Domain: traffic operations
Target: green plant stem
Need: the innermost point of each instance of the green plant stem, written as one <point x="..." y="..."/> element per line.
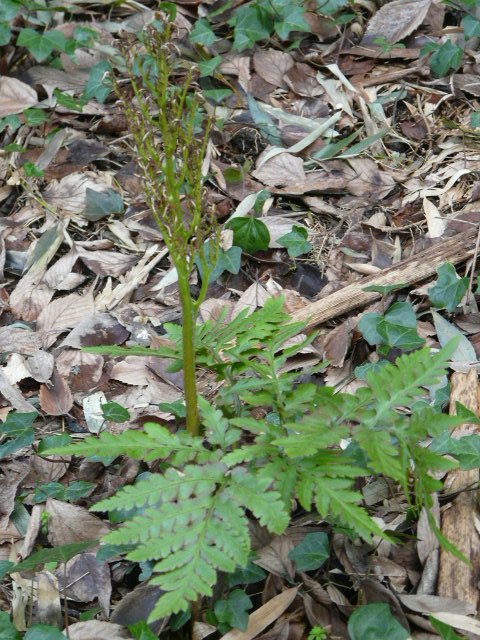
<point x="188" y="337"/>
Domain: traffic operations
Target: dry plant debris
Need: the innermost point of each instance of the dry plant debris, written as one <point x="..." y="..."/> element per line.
<point x="351" y="130"/>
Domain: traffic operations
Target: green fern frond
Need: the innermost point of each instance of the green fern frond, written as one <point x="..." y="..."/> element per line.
<point x="172" y="485"/>
<point x="152" y="443"/>
<point x="192" y="538"/>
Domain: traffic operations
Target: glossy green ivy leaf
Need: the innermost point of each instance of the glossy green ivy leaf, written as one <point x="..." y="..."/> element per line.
<point x="475" y="119"/>
<point x="43" y="632"/>
<point x="449" y="288"/>
<point x="292" y="18"/>
<point x="100" y="204"/>
<point x="41" y="45"/>
<point x="207" y="67"/>
<point x="251" y="23"/>
<point x="249" y="233"/>
<point x="471" y="26"/>
<point x="84" y="36"/>
<point x="114" y="412"/>
<point x="69" y="102"/>
<point x="17" y="428"/>
<point x="397" y="328"/>
<point x="202" y="33"/>
<point x="229" y="260"/>
<point x="246" y="575"/>
<point x="296" y="241"/>
<point x="444" y="58"/>
<point x="5" y="33"/>
<point x="177" y="407"/>
<point x="35" y="117"/>
<point x="465" y="449"/>
<point x="141" y="631"/>
<point x="7" y="628"/>
<point x="375" y="622"/>
<point x="9" y="10"/>
<point x="312" y="551"/>
<point x="234" y="610"/>
<point x="98" y="85"/>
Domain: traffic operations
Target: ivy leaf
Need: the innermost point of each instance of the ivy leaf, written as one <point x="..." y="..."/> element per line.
<point x="312" y="551"/>
<point x="5" y="33"/>
<point x="449" y="288"/>
<point x="69" y="102"/>
<point x="7" y="628"/>
<point x="293" y="18"/>
<point x="375" y="622"/>
<point x="41" y="45"/>
<point x="207" y="67"/>
<point x="234" y="610"/>
<point x="17" y="427"/>
<point x="98" y="85"/>
<point x="141" y="631"/>
<point x="246" y="575"/>
<point x="251" y="23"/>
<point x="471" y="26"/>
<point x="99" y="204"/>
<point x="475" y="119"/>
<point x="114" y="412"/>
<point x="229" y="260"/>
<point x="249" y="233"/>
<point x="62" y="553"/>
<point x="202" y="33"/>
<point x="397" y="328"/>
<point x="9" y="10"/>
<point x="43" y="632"/>
<point x="296" y="241"/>
<point x="446" y="57"/>
<point x="466" y="449"/>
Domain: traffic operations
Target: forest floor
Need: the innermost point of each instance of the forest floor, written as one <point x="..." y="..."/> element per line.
<point x="351" y="129"/>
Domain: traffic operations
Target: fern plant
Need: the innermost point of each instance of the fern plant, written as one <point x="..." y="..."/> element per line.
<point x="192" y="519"/>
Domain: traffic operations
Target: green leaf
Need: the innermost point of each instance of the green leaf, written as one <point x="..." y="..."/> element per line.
<point x="35" y="117"/>
<point x="177" y="407"/>
<point x="233" y="611"/>
<point x="475" y="119"/>
<point x="312" y="551"/>
<point x="114" y="412"/>
<point x="14" y="148"/>
<point x="32" y="171"/>
<point x="251" y="23"/>
<point x="447" y="57"/>
<point x="5" y="566"/>
<point x="58" y="554"/>
<point x="397" y="328"/>
<point x="41" y="45"/>
<point x="9" y="9"/>
<point x="261" y="198"/>
<point x="250" y="574"/>
<point x="249" y="233"/>
<point x="58" y="440"/>
<point x="330" y="7"/>
<point x="141" y="631"/>
<point x="202" y="33"/>
<point x="293" y="19"/>
<point x="385" y="289"/>
<point x="98" y="85"/>
<point x="375" y="622"/>
<point x="43" y="632"/>
<point x="296" y="241"/>
<point x="207" y="67"/>
<point x="12" y="121"/>
<point x="465" y="449"/>
<point x="99" y="204"/>
<point x="68" y="101"/>
<point x="7" y="628"/>
<point x="5" y="33"/>
<point x="84" y="36"/>
<point x="17" y="427"/>
<point x="229" y="260"/>
<point x="449" y="288"/>
<point x="471" y="26"/>
<point x="445" y="630"/>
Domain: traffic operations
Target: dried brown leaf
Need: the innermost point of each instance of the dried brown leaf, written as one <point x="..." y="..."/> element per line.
<point x="396" y="20"/>
<point x="70" y="523"/>
<point x="15" y="96"/>
<point x="55" y="398"/>
<point x="272" y="65"/>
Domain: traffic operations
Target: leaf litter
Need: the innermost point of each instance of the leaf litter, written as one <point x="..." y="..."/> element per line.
<point x="368" y="151"/>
